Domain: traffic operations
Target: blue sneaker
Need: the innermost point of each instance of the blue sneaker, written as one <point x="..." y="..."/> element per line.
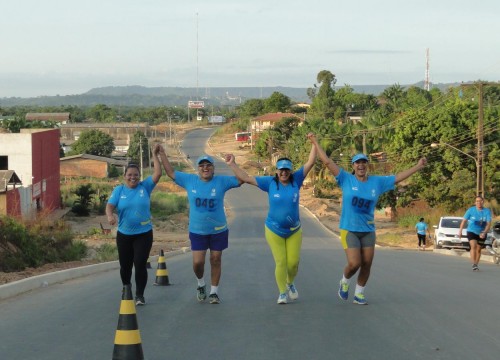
<point x="360" y="299"/>
<point x="282" y="299"/>
<point x="343" y="290"/>
<point x="293" y="294"/>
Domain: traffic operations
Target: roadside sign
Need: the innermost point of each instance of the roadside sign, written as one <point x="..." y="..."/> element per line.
<point x="196" y="104"/>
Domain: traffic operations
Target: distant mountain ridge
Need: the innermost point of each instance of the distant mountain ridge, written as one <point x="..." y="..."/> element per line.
<point x="137" y="95"/>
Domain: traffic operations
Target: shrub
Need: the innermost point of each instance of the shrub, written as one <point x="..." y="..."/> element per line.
<point x="33" y="244"/>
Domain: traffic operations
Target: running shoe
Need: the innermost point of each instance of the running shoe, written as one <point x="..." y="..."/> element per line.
<point x="343" y="290"/>
<point x="293" y="294"/>
<point x="214" y="299"/>
<point x="139" y="301"/>
<point x="490" y="250"/>
<point x="201" y="293"/>
<point x="360" y="299"/>
<point x="282" y="299"/>
<point x="475" y="267"/>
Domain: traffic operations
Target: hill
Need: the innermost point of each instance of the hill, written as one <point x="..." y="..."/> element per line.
<point x="177" y="96"/>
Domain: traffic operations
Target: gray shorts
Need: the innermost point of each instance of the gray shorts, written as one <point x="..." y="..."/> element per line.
<point x="357" y="240"/>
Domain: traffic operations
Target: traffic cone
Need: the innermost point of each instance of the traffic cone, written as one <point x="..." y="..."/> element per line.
<point x="148" y="264"/>
<point x="127" y="339"/>
<point x="162" y="271"/>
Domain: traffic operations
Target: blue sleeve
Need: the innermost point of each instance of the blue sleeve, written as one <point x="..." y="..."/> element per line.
<point x="115" y="195"/>
<point x="149" y="184"/>
<point x="263" y="182"/>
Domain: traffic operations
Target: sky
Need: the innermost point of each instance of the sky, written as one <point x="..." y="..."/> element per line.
<point x="66" y="47"/>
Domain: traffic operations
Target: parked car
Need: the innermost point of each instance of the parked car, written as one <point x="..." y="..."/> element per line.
<point x="446" y="234"/>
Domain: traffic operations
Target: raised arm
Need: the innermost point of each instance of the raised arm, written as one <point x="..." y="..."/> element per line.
<point x="156" y="162"/>
<point x="242" y="176"/>
<point x="407" y="173"/>
<point x="310" y="161"/>
<point x="329" y="163"/>
<point x="166" y="164"/>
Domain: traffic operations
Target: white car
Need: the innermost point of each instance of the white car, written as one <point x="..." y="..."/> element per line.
<point x="446" y="234"/>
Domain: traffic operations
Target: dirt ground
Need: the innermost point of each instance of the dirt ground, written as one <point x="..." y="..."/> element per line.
<point x="171" y="235"/>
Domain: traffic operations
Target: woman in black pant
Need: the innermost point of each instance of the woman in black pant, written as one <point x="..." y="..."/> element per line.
<point x="134" y="237"/>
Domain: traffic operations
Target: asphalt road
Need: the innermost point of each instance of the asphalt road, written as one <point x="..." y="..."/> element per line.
<point x="421" y="305"/>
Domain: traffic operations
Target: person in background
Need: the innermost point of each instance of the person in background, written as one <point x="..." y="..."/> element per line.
<point x="283" y="229"/>
<point x="478" y="219"/>
<point x="360" y="193"/>
<point x="422" y="232"/>
<point x="134" y="237"/>
<point x="207" y="219"/>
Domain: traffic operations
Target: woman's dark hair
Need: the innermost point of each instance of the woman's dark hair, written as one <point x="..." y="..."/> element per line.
<point x="276" y="178"/>
<point x="131" y="165"/>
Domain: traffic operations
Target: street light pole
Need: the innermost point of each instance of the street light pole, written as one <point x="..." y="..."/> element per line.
<point x="479" y="178"/>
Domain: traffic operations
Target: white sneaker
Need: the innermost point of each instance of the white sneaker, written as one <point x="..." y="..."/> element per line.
<point x="282" y="299"/>
<point x="293" y="294"/>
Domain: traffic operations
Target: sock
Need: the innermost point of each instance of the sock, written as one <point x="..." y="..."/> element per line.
<point x="201" y="282"/>
<point x="214" y="289"/>
<point x="359" y="289"/>
<point x="345" y="280"/>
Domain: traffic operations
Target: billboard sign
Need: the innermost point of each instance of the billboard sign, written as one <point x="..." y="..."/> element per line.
<point x="196" y="104"/>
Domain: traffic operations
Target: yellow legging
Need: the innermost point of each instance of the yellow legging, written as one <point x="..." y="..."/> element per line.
<point x="286" y="254"/>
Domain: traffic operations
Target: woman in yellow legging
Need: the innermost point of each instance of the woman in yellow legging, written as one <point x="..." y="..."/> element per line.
<point x="282" y="229"/>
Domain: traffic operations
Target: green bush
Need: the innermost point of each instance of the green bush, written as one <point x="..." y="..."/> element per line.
<point x="34" y="244"/>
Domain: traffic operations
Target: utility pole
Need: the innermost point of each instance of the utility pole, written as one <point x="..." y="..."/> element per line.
<point x="480" y="145"/>
<point x="140" y="154"/>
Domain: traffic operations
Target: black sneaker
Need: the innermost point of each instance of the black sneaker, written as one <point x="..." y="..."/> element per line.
<point x="475" y="267"/>
<point x="139" y="301"/>
<point x="214" y="299"/>
<point x="201" y="293"/>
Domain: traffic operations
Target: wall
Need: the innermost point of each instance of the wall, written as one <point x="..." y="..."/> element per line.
<point x="84" y="167"/>
<point x="46" y="169"/>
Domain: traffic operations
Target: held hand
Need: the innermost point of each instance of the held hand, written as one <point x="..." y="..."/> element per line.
<point x="229" y="158"/>
<point x="156" y="149"/>
<point x="311" y="137"/>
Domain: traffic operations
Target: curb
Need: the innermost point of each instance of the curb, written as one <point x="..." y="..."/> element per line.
<point x="44" y="280"/>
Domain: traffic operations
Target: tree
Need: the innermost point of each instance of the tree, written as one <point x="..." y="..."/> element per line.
<point x="323" y="104"/>
<point x="138" y="142"/>
<point x="93" y="142"/>
<point x="252" y="107"/>
<point x="277" y="102"/>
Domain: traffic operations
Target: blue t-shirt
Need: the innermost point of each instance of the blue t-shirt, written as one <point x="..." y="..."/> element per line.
<point x="421" y="227"/>
<point x="477" y="219"/>
<point x="133" y="207"/>
<point x="206" y="201"/>
<point x="359" y="199"/>
<point x="283" y="216"/>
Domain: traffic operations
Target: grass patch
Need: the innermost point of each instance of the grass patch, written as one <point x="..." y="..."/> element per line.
<point x="165" y="204"/>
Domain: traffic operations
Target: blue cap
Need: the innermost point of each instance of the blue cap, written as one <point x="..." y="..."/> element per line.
<point x="204" y="158"/>
<point x="284" y="164"/>
<point x="358" y="157"/>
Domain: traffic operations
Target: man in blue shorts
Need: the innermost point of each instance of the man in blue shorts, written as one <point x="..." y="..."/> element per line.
<point x="207" y="219"/>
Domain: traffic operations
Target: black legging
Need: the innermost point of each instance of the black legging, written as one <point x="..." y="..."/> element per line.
<point x="133" y="251"/>
<point x="421" y="239"/>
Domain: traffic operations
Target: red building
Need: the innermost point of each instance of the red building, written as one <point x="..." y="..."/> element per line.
<point x="34" y="156"/>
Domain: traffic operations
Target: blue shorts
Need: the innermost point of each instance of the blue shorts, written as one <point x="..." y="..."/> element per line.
<point x="216" y="242"/>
